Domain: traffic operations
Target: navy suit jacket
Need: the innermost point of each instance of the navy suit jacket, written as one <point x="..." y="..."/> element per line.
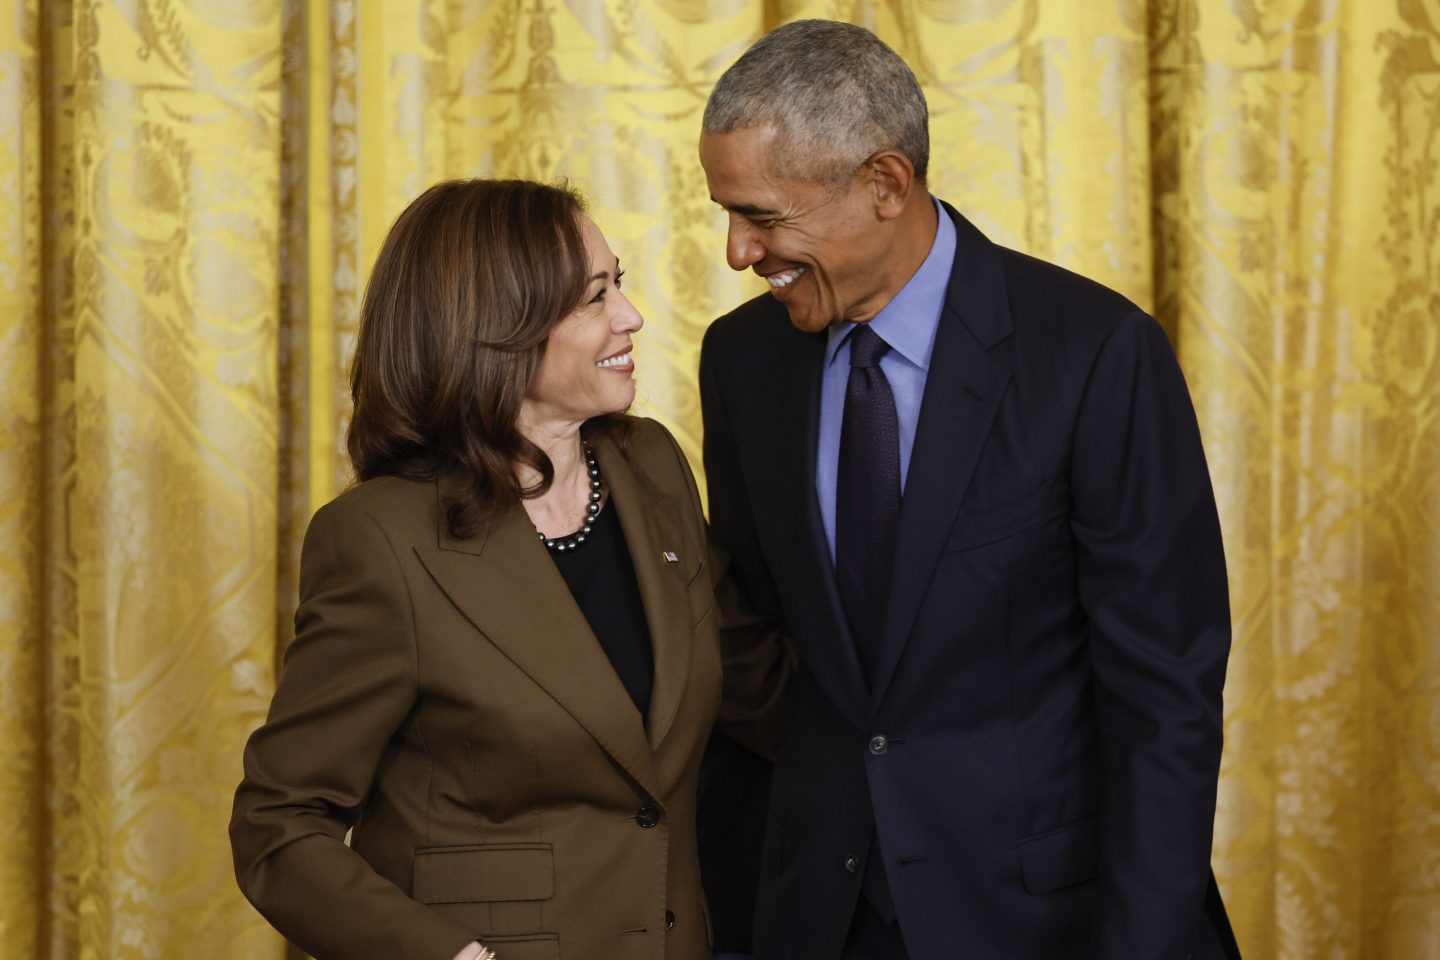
<point x="1049" y="686"/>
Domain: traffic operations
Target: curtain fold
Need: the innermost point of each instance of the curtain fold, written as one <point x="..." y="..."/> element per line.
<point x="190" y="197"/>
<point x="22" y="464"/>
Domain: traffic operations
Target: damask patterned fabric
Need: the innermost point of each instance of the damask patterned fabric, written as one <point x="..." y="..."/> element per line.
<point x="191" y="192"/>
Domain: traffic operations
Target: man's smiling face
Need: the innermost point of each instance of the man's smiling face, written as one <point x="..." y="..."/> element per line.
<point x="822" y="250"/>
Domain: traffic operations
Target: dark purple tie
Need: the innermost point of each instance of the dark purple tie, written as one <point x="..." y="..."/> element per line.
<point x="867" y="511"/>
<point x="867" y="494"/>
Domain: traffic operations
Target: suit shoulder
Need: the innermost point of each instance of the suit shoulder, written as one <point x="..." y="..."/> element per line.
<point x="751" y="344"/>
<point x="653" y="447"/>
<point x="1044" y="293"/>
<point x="648" y="436"/>
<point x="762" y="317"/>
<point x="397" y="506"/>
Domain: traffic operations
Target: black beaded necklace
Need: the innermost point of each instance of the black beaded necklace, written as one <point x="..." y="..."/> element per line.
<point x="567" y="543"/>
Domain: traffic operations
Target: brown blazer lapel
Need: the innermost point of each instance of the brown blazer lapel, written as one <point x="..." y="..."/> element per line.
<point x="505" y="583"/>
<point x="652" y="523"/>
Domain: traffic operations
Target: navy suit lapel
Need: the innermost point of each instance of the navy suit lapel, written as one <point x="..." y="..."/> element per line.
<point x="963" y="390"/>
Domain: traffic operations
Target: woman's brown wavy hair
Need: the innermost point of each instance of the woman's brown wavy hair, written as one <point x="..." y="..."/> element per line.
<point x="471" y="280"/>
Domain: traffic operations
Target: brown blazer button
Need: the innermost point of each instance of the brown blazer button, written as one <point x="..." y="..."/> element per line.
<point x="669" y="920"/>
<point x="647" y="816"/>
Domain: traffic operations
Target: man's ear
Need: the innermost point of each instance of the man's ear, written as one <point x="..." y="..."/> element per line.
<point x="892" y="181"/>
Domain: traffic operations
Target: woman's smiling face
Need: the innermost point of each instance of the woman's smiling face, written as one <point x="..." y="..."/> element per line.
<point x="587" y="369"/>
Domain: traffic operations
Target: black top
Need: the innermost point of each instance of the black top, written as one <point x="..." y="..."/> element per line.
<point x="602" y="580"/>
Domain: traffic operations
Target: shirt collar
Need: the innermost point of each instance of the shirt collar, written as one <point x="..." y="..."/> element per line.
<point x="909" y="321"/>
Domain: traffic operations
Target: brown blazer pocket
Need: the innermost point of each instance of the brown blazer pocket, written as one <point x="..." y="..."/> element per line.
<point x="485" y="872"/>
<point x="1061" y="858"/>
<point x="533" y="946"/>
<point x="993" y="523"/>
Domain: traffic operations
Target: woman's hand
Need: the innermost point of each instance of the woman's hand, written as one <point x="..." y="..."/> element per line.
<point x="473" y="951"/>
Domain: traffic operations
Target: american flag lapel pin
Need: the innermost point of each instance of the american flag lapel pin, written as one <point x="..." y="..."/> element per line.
<point x="670" y="557"/>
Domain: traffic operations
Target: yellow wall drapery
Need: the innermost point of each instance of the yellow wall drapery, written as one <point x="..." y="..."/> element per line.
<point x="191" y="193"/>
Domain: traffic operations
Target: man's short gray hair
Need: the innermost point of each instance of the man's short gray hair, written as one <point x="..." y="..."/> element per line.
<point x="835" y="94"/>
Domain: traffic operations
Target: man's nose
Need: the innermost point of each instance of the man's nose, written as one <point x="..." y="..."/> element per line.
<point x="742" y="247"/>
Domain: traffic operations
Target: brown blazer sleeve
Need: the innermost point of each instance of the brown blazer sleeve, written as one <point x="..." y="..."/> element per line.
<point x="346" y="689"/>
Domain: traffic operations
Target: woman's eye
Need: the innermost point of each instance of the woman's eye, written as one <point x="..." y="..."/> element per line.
<point x="599" y="297"/>
<point x="619" y="279"/>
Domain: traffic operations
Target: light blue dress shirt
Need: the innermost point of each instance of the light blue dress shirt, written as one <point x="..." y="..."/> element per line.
<point x="908" y="323"/>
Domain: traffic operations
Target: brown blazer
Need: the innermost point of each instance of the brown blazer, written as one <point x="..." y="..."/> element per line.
<point x="447" y="700"/>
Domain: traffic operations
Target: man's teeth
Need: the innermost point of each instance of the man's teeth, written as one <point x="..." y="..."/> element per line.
<point x="619" y="361"/>
<point x="786" y="278"/>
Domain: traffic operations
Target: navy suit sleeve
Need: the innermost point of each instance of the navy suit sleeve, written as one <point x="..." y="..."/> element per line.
<point x="1152" y="582"/>
<point x="731" y="522"/>
<point x="734" y="783"/>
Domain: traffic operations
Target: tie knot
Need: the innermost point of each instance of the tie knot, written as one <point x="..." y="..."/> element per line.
<point x="866" y="347"/>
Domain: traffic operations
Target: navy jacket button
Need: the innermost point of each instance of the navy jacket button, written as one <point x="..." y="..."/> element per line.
<point x="879" y="745"/>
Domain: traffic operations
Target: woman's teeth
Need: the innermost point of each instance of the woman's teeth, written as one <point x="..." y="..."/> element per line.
<point x="786" y="278"/>
<point x="619" y="361"/>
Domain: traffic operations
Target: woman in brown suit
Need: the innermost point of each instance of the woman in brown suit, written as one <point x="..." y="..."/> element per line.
<point x="506" y="659"/>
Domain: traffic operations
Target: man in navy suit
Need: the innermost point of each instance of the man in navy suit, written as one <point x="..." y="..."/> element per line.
<point x="970" y="485"/>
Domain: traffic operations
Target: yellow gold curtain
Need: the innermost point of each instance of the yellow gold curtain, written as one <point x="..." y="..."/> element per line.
<point x="191" y="193"/>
